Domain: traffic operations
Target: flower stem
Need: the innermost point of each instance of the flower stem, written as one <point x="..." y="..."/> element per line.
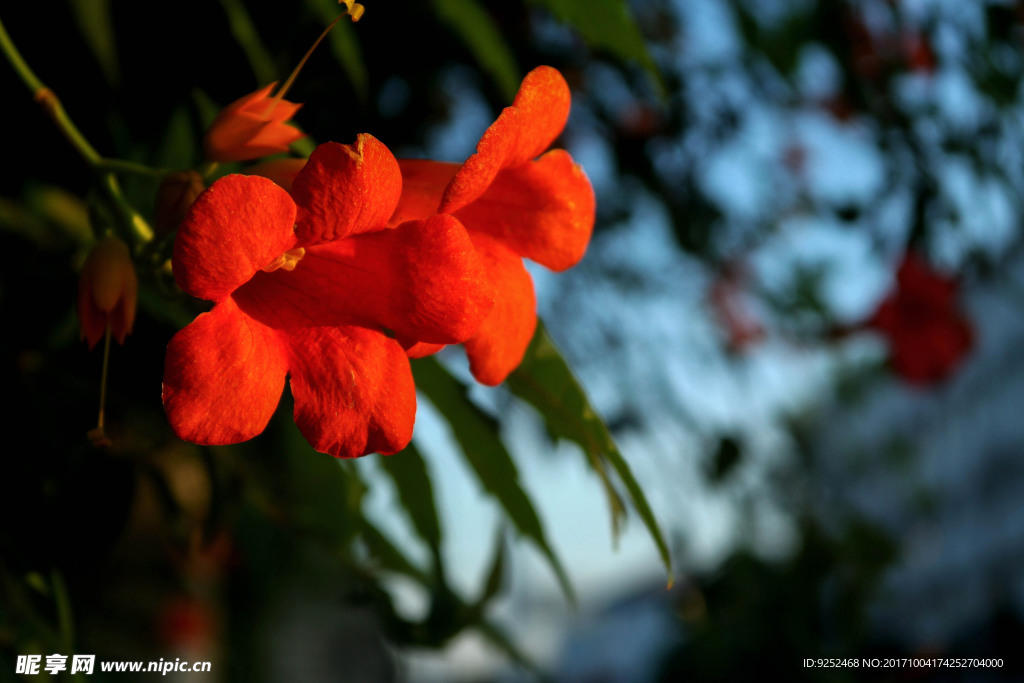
<point x="98" y="435"/>
<point x="14" y="57"/>
<point x="125" y="166"/>
<point x="103" y="377"/>
<point x="134" y="223"/>
<point x="47" y="100"/>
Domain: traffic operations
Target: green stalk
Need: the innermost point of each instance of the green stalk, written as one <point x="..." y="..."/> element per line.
<point x="134" y="223"/>
<point x="48" y="100"/>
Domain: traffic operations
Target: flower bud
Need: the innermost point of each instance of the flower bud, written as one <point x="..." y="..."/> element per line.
<point x="176" y="193"/>
<point x="251" y="127"/>
<point x="107" y="291"/>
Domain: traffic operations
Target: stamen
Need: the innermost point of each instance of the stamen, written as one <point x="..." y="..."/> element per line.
<point x="286" y="261"/>
<point x="354" y="10"/>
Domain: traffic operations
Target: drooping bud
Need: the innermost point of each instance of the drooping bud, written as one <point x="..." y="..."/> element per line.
<point x="251" y="127"/>
<point x="107" y="291"/>
<point x="176" y="193"/>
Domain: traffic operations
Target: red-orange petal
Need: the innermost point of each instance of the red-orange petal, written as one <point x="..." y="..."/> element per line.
<point x="498" y="346"/>
<point x="544" y="100"/>
<point x="123" y="316"/>
<point x="253" y="102"/>
<point x="223" y="377"/>
<point x="423" y="184"/>
<point x="543" y="210"/>
<point x="423" y="280"/>
<point x="282" y="111"/>
<point x="231" y="128"/>
<point x="91" y="320"/>
<point x="415" y="349"/>
<point x="239" y="225"/>
<point x="353" y="389"/>
<point x="250" y="127"/>
<point x="521" y="132"/>
<point x="346" y="190"/>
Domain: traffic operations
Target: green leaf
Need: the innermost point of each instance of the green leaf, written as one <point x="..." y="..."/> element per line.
<point x="178" y="145"/>
<point x="477" y="434"/>
<point x="545" y="381"/>
<point x="323" y="494"/>
<point x="605" y="25"/>
<point x="97" y="26"/>
<point x="19" y="220"/>
<point x="495" y="576"/>
<point x="243" y="28"/>
<point x="344" y="44"/>
<point x="389" y="556"/>
<point x="409" y="473"/>
<point x="392" y="559"/>
<point x="477" y="29"/>
<point x="65" y="211"/>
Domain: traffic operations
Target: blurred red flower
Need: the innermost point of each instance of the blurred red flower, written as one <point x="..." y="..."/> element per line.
<point x="516" y="200"/>
<point x="310" y="285"/>
<point x="919" y="53"/>
<point x="729" y="301"/>
<point x="928" y="334"/>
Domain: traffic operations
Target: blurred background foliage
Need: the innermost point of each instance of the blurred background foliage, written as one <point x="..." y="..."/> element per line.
<point x="761" y="168"/>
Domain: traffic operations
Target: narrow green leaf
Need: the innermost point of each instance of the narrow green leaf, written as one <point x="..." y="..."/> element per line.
<point x="178" y="145"/>
<point x="500" y="640"/>
<point x="477" y="434"/>
<point x="97" y="26"/>
<point x="605" y="25"/>
<point x="391" y="558"/>
<point x="545" y="381"/>
<point x="344" y="44"/>
<point x="324" y="493"/>
<point x="495" y="576"/>
<point x="62" y="209"/>
<point x="477" y="29"/>
<point x="409" y="473"/>
<point x="244" y="31"/>
<point x="206" y="108"/>
<point x="19" y="220"/>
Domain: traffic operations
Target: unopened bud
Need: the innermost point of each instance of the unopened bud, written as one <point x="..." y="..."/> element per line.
<point x="107" y="291"/>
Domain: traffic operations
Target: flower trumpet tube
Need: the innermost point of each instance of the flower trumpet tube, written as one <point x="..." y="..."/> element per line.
<point x="310" y="285"/>
<point x="516" y="200"/>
